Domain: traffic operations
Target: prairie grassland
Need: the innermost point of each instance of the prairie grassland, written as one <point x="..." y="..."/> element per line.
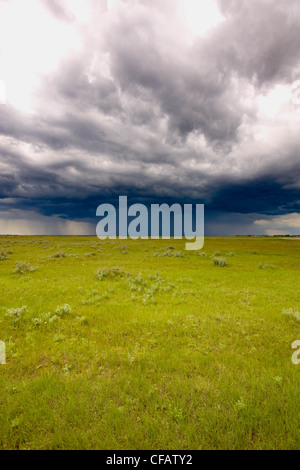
<point x="142" y="345"/>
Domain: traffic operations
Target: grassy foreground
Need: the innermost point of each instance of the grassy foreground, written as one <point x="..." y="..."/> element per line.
<point x="142" y="345"/>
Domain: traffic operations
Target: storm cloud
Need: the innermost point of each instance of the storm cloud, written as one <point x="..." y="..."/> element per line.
<point x="160" y="100"/>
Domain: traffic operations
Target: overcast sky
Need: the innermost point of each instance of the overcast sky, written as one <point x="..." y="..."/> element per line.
<point x="160" y="100"/>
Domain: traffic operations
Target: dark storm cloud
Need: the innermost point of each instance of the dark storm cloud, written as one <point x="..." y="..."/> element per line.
<point x="148" y="109"/>
<point x="265" y="196"/>
<point x="182" y="81"/>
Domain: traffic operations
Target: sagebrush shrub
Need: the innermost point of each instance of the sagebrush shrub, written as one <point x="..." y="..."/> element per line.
<point x="44" y="319"/>
<point x="266" y="266"/>
<point x="109" y="273"/>
<point x="23" y="268"/>
<point x="220" y="262"/>
<point x="293" y="312"/>
<point x="59" y="254"/>
<point x="169" y="253"/>
<point x="63" y="310"/>
<point x="3" y="255"/>
<point x="16" y="313"/>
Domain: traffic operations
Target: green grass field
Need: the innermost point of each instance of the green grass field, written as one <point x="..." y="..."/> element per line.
<point x="142" y="345"/>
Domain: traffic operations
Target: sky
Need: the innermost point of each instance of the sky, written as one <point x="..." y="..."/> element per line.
<point x="161" y="100"/>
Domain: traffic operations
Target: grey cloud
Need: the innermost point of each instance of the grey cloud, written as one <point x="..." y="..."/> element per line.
<point x="188" y="88"/>
<point x="261" y="40"/>
<point x="145" y="109"/>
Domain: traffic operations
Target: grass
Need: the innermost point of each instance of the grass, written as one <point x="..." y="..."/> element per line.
<point x="113" y="347"/>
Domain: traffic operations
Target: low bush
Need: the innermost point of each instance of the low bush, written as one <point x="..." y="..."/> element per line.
<point x="220" y="262"/>
<point x="23" y="268"/>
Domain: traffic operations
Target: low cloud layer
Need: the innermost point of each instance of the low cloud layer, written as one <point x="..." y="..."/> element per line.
<point x="160" y="100"/>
